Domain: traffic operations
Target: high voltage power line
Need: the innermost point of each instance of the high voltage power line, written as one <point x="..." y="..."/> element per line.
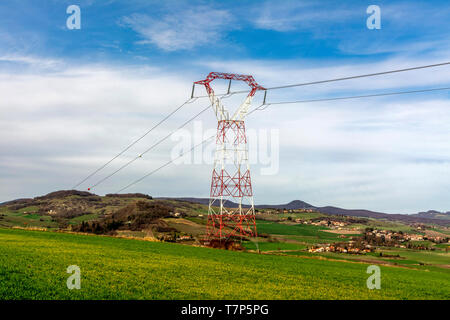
<point x="166" y="164"/>
<point x="147" y="150"/>
<point x="192" y="99"/>
<point x="134" y="142"/>
<point x="285" y="102"/>
<point x="354" y="97"/>
<point x="340" y="79"/>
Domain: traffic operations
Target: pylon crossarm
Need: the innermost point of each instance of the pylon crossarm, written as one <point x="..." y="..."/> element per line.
<point x="220" y="110"/>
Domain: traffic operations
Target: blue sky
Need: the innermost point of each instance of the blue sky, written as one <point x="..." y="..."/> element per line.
<point x="127" y="31"/>
<point x="73" y="98"/>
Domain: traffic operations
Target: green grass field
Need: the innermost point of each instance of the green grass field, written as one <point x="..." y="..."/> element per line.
<point x="302" y="233"/>
<point x="25" y="218"/>
<point x="421" y="256"/>
<point x="33" y="266"/>
<point x="272" y="246"/>
<point x="383" y="224"/>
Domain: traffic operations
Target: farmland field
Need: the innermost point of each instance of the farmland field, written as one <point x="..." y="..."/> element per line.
<point x="299" y="232"/>
<point x="33" y="266"/>
<point x="272" y="246"/>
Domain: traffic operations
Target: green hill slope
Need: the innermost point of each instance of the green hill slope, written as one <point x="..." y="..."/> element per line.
<point x="33" y="266"/>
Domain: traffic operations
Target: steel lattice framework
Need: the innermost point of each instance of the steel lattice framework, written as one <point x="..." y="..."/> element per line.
<point x="231" y="174"/>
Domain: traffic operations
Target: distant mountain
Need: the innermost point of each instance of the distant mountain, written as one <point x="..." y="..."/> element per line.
<point x="433" y="214"/>
<point x="298" y="204"/>
<point x="407" y="218"/>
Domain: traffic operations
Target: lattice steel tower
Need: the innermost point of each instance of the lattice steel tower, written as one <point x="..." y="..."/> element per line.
<point x="231" y="174"/>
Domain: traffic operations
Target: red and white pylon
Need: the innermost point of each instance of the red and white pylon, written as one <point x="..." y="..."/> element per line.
<point x="231" y="174"/>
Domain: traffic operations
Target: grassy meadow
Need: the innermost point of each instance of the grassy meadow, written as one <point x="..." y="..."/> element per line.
<point x="33" y="266"/>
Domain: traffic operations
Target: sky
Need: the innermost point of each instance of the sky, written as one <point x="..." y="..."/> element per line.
<point x="71" y="99"/>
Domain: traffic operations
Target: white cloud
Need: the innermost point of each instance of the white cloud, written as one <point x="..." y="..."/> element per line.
<point x="296" y="15"/>
<point x="181" y="30"/>
<point x="14" y="60"/>
<point x="387" y="154"/>
<point x="57" y="126"/>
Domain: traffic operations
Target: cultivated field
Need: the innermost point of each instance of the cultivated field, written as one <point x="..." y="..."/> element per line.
<point x="33" y="266"/>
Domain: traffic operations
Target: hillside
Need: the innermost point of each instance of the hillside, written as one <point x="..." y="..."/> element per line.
<point x="35" y="263"/>
<point x="87" y="212"/>
<point x="112" y="214"/>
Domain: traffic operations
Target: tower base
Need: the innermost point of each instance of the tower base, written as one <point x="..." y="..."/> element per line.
<point x="230" y="226"/>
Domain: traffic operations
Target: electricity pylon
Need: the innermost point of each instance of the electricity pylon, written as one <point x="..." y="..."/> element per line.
<point x="231" y="174"/>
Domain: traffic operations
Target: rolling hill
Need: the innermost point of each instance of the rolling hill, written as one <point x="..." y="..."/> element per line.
<point x="441" y="218"/>
<point x="80" y="203"/>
